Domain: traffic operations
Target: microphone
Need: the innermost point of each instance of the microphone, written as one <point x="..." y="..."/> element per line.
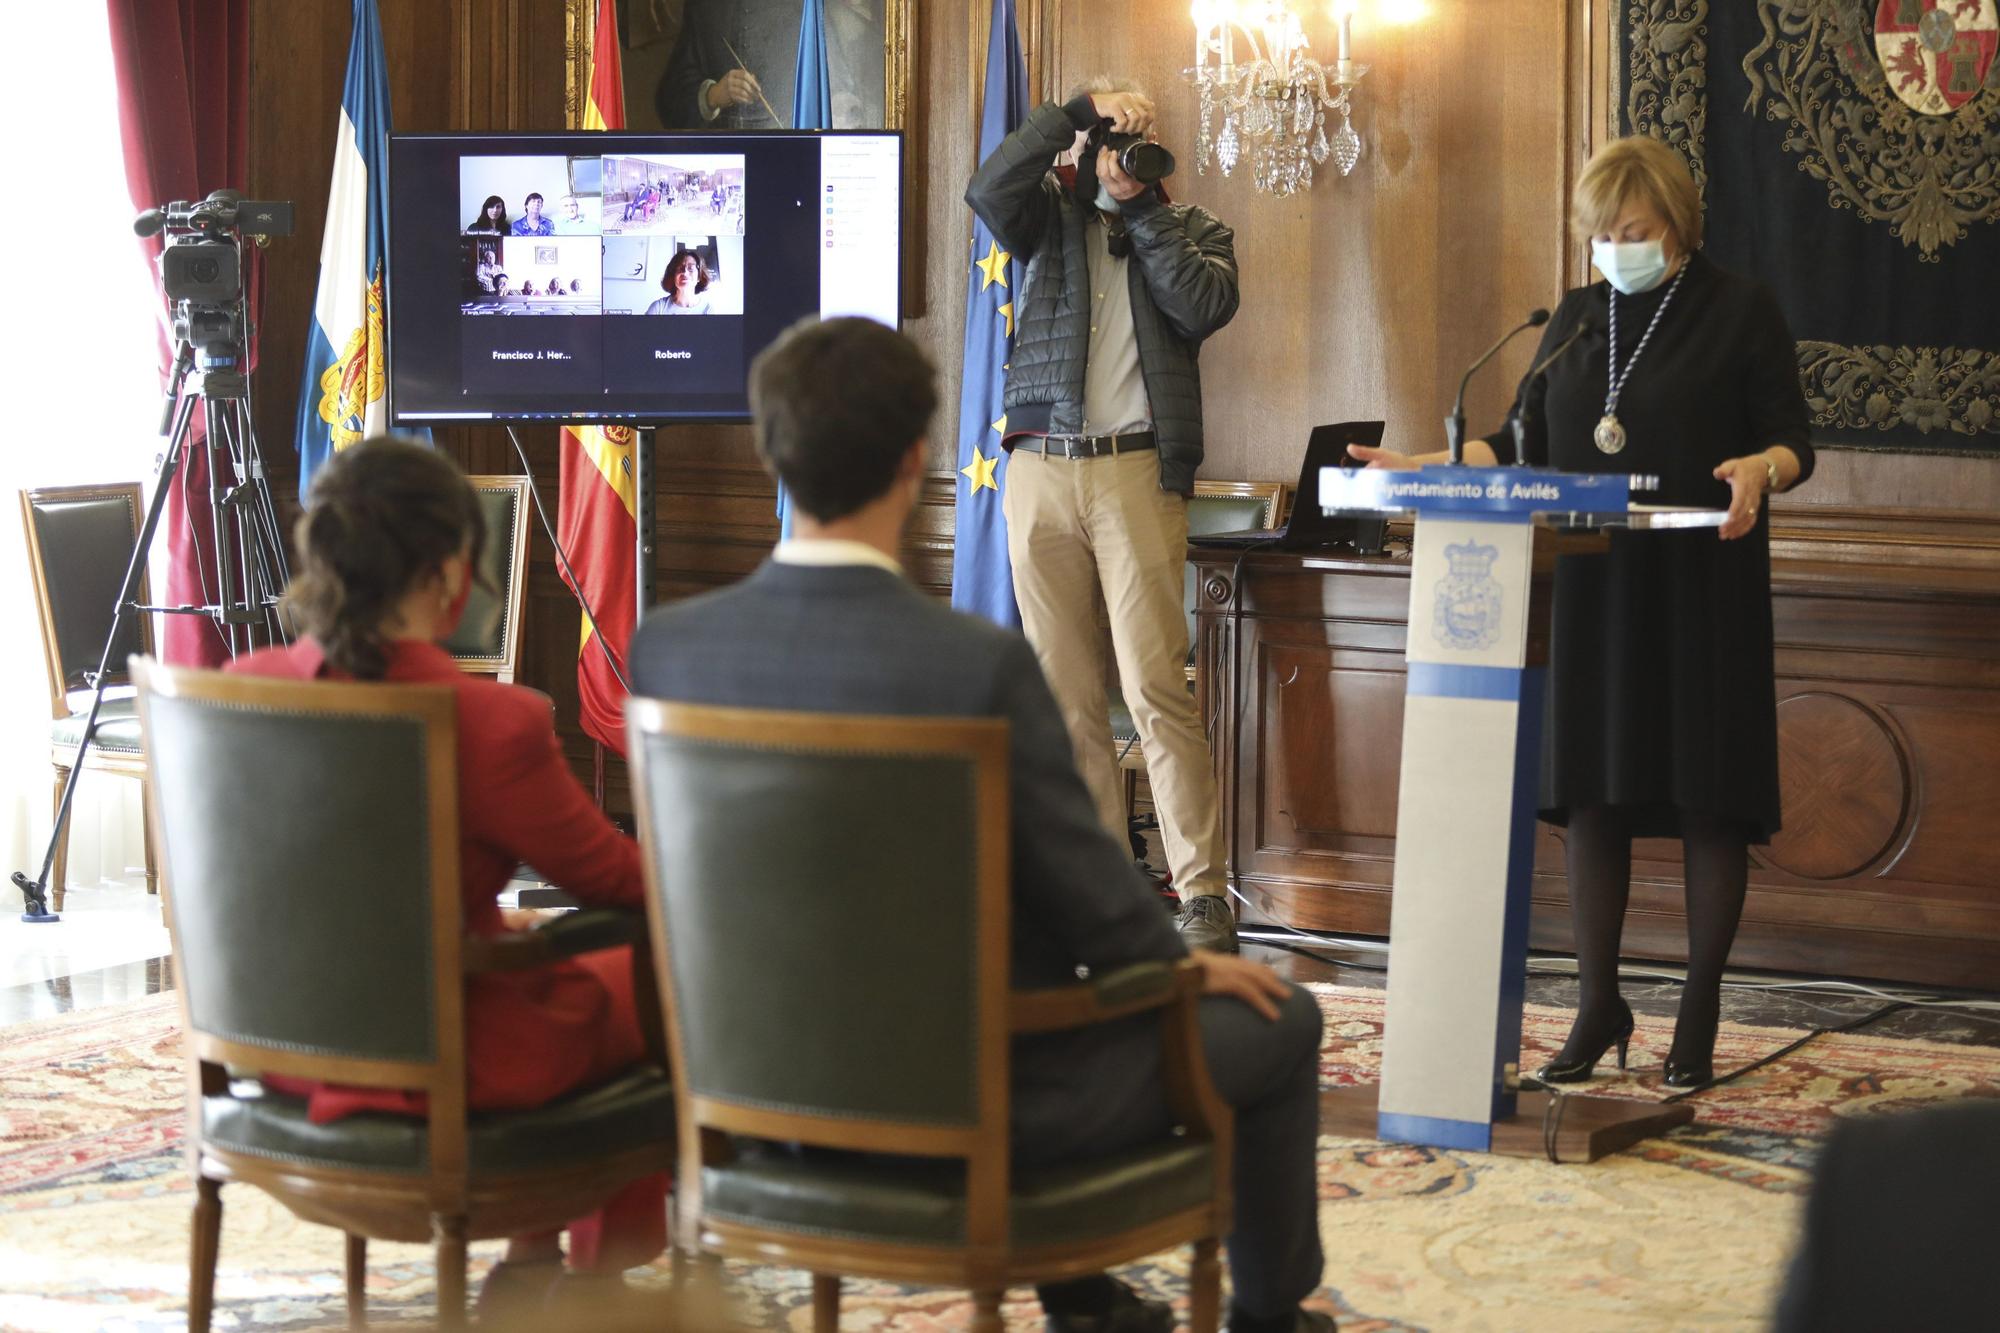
<point x="1585" y="324"/>
<point x="1454" y="425"/>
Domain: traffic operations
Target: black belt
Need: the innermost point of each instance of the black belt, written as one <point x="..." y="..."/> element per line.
<point x="1087" y="446"/>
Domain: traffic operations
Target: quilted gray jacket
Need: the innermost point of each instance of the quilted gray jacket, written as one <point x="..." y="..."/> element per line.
<point x="1183" y="278"/>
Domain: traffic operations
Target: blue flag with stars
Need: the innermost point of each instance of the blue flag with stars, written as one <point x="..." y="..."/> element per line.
<point x="982" y="580"/>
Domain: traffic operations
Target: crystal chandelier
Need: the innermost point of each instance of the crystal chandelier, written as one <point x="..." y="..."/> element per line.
<point x="1264" y="97"/>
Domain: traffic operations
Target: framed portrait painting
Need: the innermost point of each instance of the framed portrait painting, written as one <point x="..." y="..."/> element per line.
<point x="730" y="64"/>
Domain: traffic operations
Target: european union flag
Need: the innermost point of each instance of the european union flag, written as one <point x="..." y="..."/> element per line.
<point x="812" y="109"/>
<point x="982" y="580"/>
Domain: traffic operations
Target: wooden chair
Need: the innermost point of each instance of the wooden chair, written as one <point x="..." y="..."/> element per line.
<point x="308" y="950"/>
<point x="844" y="987"/>
<point x="488" y="639"/>
<point x="1215" y="506"/>
<point x="80" y="539"/>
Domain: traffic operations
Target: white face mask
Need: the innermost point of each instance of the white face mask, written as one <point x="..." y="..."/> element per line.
<point x="1105" y="202"/>
<point x="1631" y="266"/>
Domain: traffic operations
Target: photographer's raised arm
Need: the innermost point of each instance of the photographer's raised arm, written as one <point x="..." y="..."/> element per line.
<point x="1188" y="259"/>
<point x="1008" y="190"/>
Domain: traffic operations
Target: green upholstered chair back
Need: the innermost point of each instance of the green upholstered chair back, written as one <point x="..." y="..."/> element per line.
<point x="829" y="899"/>
<point x="488" y="638"/>
<point x="80" y="539"/>
<point x="309" y="837"/>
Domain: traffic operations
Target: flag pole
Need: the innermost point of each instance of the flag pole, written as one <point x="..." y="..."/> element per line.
<point x="643" y="513"/>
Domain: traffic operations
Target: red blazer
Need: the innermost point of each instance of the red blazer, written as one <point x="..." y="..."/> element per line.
<point x="530" y="1036"/>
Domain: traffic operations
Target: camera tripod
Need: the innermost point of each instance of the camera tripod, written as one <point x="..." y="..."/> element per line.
<point x="249" y="552"/>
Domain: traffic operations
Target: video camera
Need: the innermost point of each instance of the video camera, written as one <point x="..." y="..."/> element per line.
<point x="201" y="268"/>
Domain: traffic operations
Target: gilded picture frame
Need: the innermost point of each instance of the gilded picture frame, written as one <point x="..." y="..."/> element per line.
<point x="654" y="28"/>
<point x="653" y="37"/>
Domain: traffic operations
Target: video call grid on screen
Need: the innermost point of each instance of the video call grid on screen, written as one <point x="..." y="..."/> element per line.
<point x="528" y="273"/>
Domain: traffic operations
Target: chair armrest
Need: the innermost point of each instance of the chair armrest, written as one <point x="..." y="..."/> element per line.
<point x="543" y="898"/>
<point x="1128" y="990"/>
<point x="564" y="937"/>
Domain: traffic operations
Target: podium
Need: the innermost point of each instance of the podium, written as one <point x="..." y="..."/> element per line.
<point x="1486" y="542"/>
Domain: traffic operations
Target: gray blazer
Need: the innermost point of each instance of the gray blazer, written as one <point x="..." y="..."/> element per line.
<point x="859" y="639"/>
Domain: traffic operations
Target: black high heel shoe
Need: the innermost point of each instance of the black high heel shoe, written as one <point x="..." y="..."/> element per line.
<point x="1688" y="1075"/>
<point x="1691" y="1058"/>
<point x="1577" y="1066"/>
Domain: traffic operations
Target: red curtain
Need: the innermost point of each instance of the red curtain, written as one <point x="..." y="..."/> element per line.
<point x="183" y="71"/>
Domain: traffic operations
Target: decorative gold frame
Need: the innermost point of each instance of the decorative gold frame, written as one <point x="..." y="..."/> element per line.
<point x="899" y="20"/>
<point x="899" y="38"/>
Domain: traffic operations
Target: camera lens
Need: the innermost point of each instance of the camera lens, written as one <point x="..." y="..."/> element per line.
<point x="204" y="270"/>
<point x="1147" y="162"/>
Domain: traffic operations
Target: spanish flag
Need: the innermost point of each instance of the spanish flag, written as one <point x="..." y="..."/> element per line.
<point x="597" y="519"/>
<point x="604" y="104"/>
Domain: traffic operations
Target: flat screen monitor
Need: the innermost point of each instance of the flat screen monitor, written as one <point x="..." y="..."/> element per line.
<point x="630" y="278"/>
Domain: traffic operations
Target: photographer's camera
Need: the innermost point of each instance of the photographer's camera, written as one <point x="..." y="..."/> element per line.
<point x="1138" y="157"/>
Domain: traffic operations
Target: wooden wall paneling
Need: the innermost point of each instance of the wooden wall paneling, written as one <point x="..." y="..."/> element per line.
<point x="468" y="64"/>
<point x="1367" y="295"/>
<point x="1363" y="297"/>
<point x="1888" y="665"/>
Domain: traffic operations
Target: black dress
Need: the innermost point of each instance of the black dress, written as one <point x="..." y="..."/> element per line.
<point x="1662" y="691"/>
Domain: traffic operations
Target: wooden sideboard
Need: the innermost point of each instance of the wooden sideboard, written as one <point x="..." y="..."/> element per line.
<point x="1888" y="657"/>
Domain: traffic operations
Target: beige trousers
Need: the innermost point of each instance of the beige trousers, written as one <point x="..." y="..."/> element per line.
<point x="1075" y="527"/>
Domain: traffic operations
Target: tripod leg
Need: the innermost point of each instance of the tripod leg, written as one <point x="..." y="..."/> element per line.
<point x="128" y="592"/>
<point x="260" y="544"/>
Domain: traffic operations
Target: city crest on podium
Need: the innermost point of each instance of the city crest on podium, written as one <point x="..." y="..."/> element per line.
<point x="1466" y="613"/>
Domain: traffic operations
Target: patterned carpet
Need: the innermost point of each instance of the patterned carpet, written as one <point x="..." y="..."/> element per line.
<point x="1686" y="1231"/>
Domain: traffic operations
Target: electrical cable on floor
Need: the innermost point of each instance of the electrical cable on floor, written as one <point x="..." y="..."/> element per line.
<point x="1554" y="1110"/>
<point x="1853" y="1026"/>
<point x="1304" y="952"/>
<point x="1971" y="1008"/>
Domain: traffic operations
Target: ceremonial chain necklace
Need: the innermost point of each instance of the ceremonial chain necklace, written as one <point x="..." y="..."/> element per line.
<point x="1610" y="433"/>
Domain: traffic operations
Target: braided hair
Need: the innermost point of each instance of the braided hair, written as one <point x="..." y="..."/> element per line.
<point x="382" y="516"/>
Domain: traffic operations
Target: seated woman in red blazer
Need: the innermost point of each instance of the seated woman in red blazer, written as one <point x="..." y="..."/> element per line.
<point x="389" y="541"/>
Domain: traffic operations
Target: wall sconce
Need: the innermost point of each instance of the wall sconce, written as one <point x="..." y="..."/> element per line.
<point x="1269" y="101"/>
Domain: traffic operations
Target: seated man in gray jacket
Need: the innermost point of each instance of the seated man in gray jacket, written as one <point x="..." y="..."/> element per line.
<point x="830" y="623"/>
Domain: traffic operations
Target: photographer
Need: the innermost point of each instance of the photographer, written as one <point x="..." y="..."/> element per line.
<point x="1104" y="424"/>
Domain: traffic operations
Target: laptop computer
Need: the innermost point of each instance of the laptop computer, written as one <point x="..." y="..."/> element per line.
<point x="1306" y="528"/>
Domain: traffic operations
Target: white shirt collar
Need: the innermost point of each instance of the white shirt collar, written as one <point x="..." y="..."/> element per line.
<point x="824" y="552"/>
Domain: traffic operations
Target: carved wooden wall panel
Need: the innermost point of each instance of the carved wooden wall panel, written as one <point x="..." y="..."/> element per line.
<point x="1888" y="643"/>
<point x="1362" y="298"/>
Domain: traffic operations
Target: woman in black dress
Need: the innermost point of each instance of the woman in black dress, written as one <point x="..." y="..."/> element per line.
<point x="1662" y="710"/>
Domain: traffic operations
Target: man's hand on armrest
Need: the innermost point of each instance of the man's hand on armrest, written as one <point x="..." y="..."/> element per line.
<point x="1251" y="982"/>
